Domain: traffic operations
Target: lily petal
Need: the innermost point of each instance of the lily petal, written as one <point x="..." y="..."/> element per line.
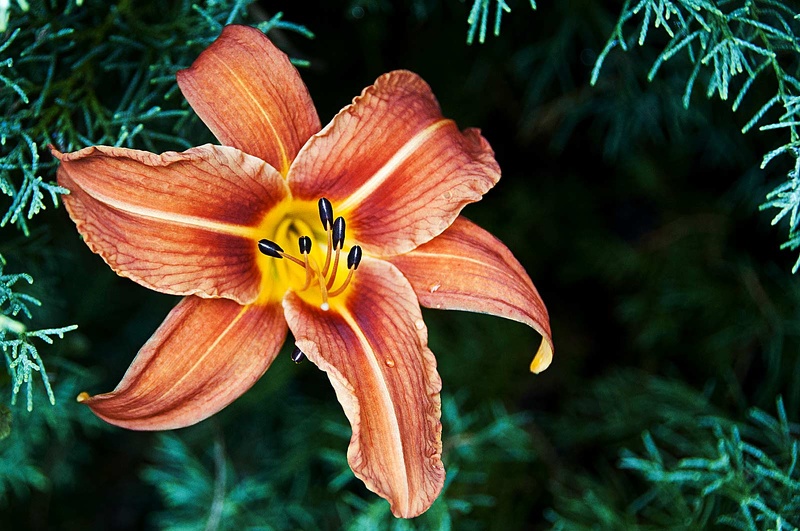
<point x="466" y="268"/>
<point x="204" y="355"/>
<point x="401" y="173"/>
<point x="250" y="96"/>
<point x="179" y="223"/>
<point x="374" y="349"/>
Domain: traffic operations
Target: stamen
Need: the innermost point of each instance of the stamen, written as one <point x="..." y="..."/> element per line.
<point x="335" y="268"/>
<point x="338" y="242"/>
<point x="297" y="355"/>
<point x="338" y="233"/>
<point x="272" y="249"/>
<point x="328" y="253"/>
<point x="305" y="244"/>
<point x="305" y="248"/>
<point x="353" y="259"/>
<point x="325" y="213"/>
<point x="326" y="217"/>
<point x="341" y="288"/>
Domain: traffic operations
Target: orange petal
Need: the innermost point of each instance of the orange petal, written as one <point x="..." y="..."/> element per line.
<point x="179" y="223"/>
<point x="374" y="349"/>
<point x="394" y="167"/>
<point x="250" y="96"/>
<point x="466" y="268"/>
<point x="204" y="355"/>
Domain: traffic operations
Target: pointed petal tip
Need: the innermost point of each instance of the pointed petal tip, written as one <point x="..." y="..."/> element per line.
<point x="55" y="152"/>
<point x="206" y="354"/>
<point x="543" y="358"/>
<point x="466" y="268"/>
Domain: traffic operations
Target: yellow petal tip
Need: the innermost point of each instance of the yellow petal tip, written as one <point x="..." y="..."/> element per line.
<point x="543" y="358"/>
<point x="84" y="396"/>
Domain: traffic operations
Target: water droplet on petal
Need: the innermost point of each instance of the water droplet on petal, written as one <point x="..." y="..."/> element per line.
<point x="448" y="194"/>
<point x="420" y="324"/>
<point x="389" y="362"/>
<point x="435" y="287"/>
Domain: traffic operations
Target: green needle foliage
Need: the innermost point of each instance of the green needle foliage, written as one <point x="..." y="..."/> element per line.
<point x="697" y="469"/>
<point x="21" y="354"/>
<point x="478" y="19"/>
<point x="745" y="477"/>
<point x="729" y="45"/>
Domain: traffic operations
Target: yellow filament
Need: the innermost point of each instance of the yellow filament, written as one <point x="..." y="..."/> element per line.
<point x="293" y="259"/>
<point x="341" y="288"/>
<point x="322" y="288"/>
<point x="309" y="275"/>
<point x="335" y="268"/>
<point x="328" y="254"/>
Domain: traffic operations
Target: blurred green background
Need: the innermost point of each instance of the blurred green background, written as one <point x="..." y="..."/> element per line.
<point x="672" y="395"/>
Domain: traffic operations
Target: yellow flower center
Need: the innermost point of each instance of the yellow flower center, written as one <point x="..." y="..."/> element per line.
<point x="303" y="250"/>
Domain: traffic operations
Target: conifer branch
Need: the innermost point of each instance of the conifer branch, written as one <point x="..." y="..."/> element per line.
<point x="751" y="468"/>
<point x="21" y="355"/>
<point x="731" y="44"/>
<point x="478" y="18"/>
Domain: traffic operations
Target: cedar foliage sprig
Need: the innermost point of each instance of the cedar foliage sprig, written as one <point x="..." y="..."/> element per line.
<point x="730" y="44"/>
<point x="90" y="73"/>
<point x="749" y="473"/>
<point x="21" y="354"/>
<point x="478" y="18"/>
<point x="695" y="467"/>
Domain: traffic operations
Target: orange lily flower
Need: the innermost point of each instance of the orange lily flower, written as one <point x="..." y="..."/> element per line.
<point x="372" y="200"/>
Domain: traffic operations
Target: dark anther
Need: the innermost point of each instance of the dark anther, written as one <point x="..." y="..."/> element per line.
<point x="338" y="233"/>
<point x="325" y="213"/>
<point x="297" y="355"/>
<point x="354" y="257"/>
<point x="270" y="248"/>
<point x="305" y="245"/>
